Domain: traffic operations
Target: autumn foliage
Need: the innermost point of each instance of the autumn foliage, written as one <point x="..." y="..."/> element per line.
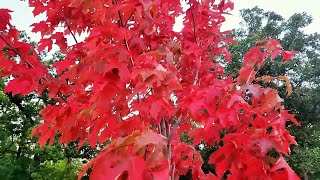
<point x="137" y="85"/>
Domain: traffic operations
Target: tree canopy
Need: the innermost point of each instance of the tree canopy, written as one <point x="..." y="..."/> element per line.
<point x="134" y="87"/>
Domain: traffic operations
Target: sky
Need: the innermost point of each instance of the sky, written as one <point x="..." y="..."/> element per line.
<point x="22" y="16"/>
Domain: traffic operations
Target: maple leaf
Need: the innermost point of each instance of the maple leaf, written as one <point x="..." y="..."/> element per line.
<point x="63" y="65"/>
<point x="61" y="41"/>
<point x="159" y="172"/>
<point x="209" y="134"/>
<point x="288" y="84"/>
<point x="265" y="78"/>
<point x="235" y="98"/>
<point x="45" y="43"/>
<point x="5" y="18"/>
<point x="76" y="3"/>
<point x="151" y="138"/>
<point x="22" y="85"/>
<point x="246" y="75"/>
<point x="38" y="7"/>
<point x="155" y="109"/>
<point x="281" y="163"/>
<point x="287" y="55"/>
<point x="229" y="4"/>
<point x="6" y="66"/>
<point x="42" y="27"/>
<point x="123" y="168"/>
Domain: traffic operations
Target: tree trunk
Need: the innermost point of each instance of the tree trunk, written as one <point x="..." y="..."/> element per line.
<point x="305" y="175"/>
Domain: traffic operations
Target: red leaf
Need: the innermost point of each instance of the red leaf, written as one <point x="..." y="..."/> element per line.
<point x="21" y="85"/>
<point x="111" y="167"/>
<point x="287" y="55"/>
<point x="5" y="18"/>
<point x="246" y="75"/>
<point x="281" y="163"/>
<point x="61" y="41"/>
<point x="45" y="43"/>
<point x="39" y="26"/>
<point x="149" y="137"/>
<point x="6" y="66"/>
<point x="155" y="108"/>
<point x="63" y="65"/>
<point x="235" y="98"/>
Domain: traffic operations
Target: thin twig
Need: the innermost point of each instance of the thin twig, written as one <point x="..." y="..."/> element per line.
<point x="168" y="155"/>
<point x="127" y="46"/>
<point x="74" y="37"/>
<point x="174" y="129"/>
<point x="159" y="128"/>
<point x="124" y="39"/>
<point x="195" y="39"/>
<point x="63" y="98"/>
<point x="170" y="137"/>
<point x="167" y="127"/>
<point x="14" y="49"/>
<point x="145" y="153"/>
<point x="163" y="127"/>
<point x="173" y="169"/>
<point x="138" y="97"/>
<point x="120" y="17"/>
<point x="196" y="77"/>
<point x="194" y="27"/>
<point x="147" y="93"/>
<point x="129" y="17"/>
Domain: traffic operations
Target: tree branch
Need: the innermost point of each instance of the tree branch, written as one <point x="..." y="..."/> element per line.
<point x="195" y="40"/>
<point x="174" y="129"/>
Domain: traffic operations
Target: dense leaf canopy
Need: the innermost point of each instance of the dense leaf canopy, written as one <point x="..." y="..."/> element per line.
<point x="135" y="85"/>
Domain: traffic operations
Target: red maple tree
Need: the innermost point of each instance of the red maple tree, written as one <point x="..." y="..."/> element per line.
<point x="139" y="84"/>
